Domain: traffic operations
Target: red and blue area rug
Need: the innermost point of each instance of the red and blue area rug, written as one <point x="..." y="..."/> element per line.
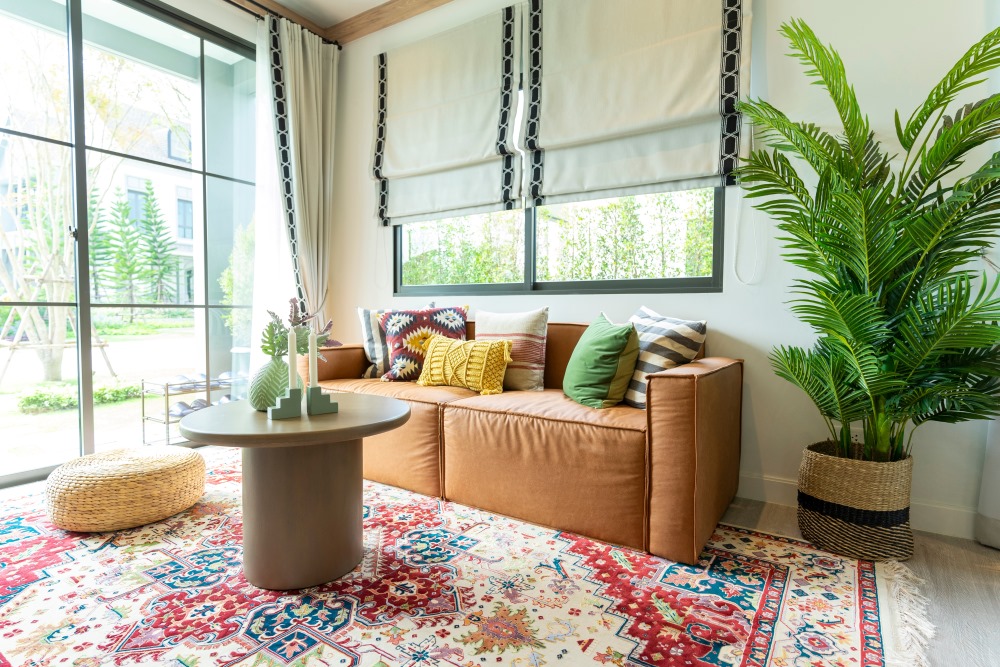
<point x="441" y="585"/>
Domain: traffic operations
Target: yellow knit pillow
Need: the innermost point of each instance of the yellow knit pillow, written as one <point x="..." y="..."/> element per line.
<point x="478" y="365"/>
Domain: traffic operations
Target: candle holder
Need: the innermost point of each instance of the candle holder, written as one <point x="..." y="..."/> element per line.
<point x="288" y="406"/>
<point x="318" y="403"/>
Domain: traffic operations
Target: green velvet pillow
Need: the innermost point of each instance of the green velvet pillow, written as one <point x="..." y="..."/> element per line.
<point x="602" y="363"/>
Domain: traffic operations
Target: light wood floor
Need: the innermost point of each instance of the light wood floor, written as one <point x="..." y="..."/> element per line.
<point x="962" y="582"/>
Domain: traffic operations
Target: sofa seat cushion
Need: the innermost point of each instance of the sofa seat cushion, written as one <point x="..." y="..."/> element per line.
<point x="540" y="457"/>
<point x="554" y="405"/>
<point x="407" y="391"/>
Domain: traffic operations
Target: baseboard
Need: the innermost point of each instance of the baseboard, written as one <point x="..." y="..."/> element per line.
<point x="949" y="520"/>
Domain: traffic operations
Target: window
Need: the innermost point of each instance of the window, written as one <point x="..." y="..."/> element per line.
<point x="661" y="242"/>
<point x="620" y="196"/>
<point x="185" y="219"/>
<point x="141" y="81"/>
<point x="136" y="199"/>
<point x="179" y="145"/>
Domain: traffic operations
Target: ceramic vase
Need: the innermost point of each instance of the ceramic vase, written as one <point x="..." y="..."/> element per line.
<point x="268" y="383"/>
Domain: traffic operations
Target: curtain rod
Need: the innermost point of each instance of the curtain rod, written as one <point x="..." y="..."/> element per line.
<point x="262" y="11"/>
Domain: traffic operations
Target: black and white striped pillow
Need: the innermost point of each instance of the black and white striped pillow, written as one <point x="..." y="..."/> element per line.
<point x="664" y="342"/>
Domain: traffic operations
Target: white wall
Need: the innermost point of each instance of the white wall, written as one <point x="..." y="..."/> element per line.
<point x="894" y="50"/>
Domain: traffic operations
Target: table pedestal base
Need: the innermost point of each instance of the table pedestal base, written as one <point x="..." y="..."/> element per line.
<point x="302" y="512"/>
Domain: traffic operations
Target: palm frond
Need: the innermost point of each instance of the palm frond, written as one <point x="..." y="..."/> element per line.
<point x="982" y="58"/>
<point x="947" y="320"/>
<point x="852" y="318"/>
<point x="825" y="378"/>
<point x="825" y="65"/>
<point x="818" y="148"/>
<point x="947" y="152"/>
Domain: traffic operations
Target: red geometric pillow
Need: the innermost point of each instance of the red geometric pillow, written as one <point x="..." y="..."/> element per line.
<point x="407" y="331"/>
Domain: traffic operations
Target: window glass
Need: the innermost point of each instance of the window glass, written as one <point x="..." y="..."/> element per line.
<point x="34" y="79"/>
<point x="230" y="84"/>
<point x="139" y="253"/>
<point x="667" y="235"/>
<point x="472" y="250"/>
<point x="37" y="253"/>
<point x="142" y="87"/>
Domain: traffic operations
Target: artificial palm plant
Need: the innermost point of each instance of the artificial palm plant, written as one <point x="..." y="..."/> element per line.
<point x="907" y="330"/>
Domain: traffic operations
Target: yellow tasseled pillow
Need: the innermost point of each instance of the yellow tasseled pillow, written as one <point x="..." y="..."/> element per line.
<point x="478" y="365"/>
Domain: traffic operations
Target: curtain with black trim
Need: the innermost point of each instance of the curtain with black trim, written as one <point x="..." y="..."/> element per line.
<point x="632" y="96"/>
<point x="444" y="143"/>
<point x="299" y="72"/>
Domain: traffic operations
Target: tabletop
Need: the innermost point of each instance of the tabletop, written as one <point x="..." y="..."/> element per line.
<point x="237" y="424"/>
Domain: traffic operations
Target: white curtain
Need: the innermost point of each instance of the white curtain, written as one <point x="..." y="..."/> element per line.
<point x="632" y="96"/>
<point x="300" y="85"/>
<point x="274" y="282"/>
<point x="444" y="142"/>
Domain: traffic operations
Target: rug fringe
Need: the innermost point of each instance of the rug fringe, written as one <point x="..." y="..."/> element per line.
<point x="915" y="630"/>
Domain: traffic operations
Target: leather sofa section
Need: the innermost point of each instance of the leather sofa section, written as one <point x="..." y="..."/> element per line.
<point x="532" y="456"/>
<point x="346" y="361"/>
<point x="409" y="456"/>
<point x="560" y="341"/>
<point x="694" y="425"/>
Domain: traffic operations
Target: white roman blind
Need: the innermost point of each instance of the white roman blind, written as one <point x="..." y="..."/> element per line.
<point x="632" y="96"/>
<point x="444" y="136"/>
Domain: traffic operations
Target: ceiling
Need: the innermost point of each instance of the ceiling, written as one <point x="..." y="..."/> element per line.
<point x="329" y="12"/>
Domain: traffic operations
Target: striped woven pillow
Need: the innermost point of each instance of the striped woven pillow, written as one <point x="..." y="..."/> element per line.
<point x="664" y="342"/>
<point x="526" y="371"/>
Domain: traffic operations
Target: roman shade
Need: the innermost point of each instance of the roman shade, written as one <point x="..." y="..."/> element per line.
<point x="443" y="142"/>
<point x="631" y="96"/>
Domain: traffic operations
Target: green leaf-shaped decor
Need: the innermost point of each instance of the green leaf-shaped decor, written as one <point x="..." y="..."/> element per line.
<point x="269" y="383"/>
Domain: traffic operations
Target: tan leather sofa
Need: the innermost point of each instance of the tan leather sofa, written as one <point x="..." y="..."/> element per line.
<point x="657" y="479"/>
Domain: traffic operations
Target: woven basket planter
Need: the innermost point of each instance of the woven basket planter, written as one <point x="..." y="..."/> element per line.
<point x="855" y="508"/>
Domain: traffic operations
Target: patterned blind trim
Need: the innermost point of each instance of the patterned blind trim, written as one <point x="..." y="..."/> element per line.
<point x="506" y="101"/>
<point x="283" y="142"/>
<point x="732" y="41"/>
<point x="380" y="127"/>
<point x="536" y="155"/>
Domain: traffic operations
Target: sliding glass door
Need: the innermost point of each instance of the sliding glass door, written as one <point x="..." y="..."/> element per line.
<point x="161" y="189"/>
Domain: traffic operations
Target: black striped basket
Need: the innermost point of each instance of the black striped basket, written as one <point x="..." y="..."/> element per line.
<point x="854" y="508"/>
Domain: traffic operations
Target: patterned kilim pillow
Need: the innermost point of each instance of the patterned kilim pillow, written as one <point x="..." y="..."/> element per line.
<point x="407" y="333"/>
<point x="478" y="365"/>
<point x="527" y="331"/>
<point x="373" y="339"/>
<point x="663" y="343"/>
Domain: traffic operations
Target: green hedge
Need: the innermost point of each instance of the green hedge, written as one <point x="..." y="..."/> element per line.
<point x="50" y="399"/>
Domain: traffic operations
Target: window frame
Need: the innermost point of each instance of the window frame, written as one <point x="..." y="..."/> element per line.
<point x="692" y="285"/>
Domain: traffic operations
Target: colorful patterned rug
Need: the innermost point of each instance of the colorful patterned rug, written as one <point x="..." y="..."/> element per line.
<point x="441" y="585"/>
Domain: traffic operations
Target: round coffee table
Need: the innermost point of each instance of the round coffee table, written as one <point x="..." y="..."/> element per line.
<point x="302" y="485"/>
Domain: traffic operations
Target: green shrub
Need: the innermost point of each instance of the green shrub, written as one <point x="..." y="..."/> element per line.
<point x="50" y="399"/>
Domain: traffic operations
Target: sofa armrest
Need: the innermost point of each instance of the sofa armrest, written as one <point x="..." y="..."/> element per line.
<point x="693" y="420"/>
<point x="344" y="362"/>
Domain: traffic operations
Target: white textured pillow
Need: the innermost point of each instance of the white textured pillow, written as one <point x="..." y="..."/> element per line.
<point x="526" y="371"/>
<point x="663" y="343"/>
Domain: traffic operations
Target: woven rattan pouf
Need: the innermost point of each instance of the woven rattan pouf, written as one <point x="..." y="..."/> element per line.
<point x="124" y="488"/>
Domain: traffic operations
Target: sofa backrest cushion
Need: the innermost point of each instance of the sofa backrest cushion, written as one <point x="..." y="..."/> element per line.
<point x="559" y="344"/>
